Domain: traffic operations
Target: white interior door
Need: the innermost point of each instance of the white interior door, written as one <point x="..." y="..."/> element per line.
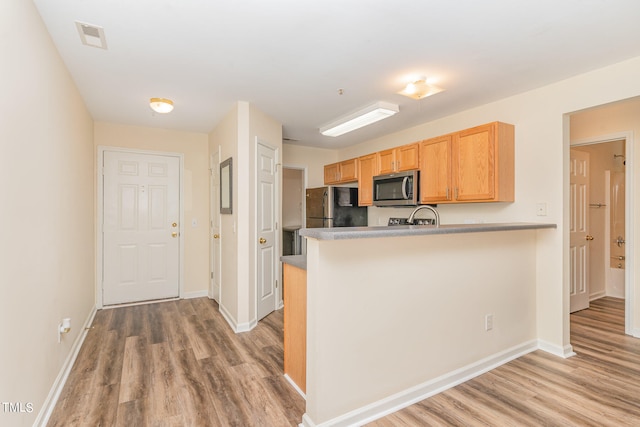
<point x="579" y="230"/>
<point x="141" y="232"/>
<point x="267" y="259"/>
<point x="215" y="227"/>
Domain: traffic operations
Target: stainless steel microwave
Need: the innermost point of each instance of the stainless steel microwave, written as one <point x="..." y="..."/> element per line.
<point x="396" y="189"/>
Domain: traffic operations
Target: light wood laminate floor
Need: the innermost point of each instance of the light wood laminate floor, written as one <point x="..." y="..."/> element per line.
<point x="598" y="387"/>
<point x="178" y="364"/>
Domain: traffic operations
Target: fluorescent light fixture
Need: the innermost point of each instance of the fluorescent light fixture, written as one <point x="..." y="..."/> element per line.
<point x="371" y="114"/>
<point x="161" y="105"/>
<point x="420" y="89"/>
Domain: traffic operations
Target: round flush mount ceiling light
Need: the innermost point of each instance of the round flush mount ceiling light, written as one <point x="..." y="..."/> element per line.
<point x="161" y="105"/>
<point x="420" y="88"/>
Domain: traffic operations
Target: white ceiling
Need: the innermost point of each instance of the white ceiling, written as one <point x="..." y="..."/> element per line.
<point x="290" y="57"/>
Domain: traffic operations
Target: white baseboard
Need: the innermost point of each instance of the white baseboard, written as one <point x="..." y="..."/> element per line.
<point x="52" y="398"/>
<point x="422" y="391"/>
<point x="564" y="352"/>
<point x="295" y="386"/>
<point x="597" y="295"/>
<point x="196" y="294"/>
<point x="235" y="326"/>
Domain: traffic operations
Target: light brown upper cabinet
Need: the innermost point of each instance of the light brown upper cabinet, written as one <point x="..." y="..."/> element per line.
<point x="403" y="158"/>
<point x="341" y="172"/>
<point x="473" y="165"/>
<point x="435" y="170"/>
<point x="367" y="169"/>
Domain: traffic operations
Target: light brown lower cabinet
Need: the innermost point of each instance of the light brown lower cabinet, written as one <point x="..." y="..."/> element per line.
<point x="295" y="325"/>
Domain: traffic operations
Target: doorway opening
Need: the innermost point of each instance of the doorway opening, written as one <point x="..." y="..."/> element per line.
<point x="606" y="217"/>
<point x="610" y="218"/>
<point x="293" y="208"/>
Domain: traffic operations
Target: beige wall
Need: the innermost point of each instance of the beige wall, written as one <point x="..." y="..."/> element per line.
<point x="237" y="136"/>
<point x="394" y="320"/>
<point x="224" y="138"/>
<point x="313" y="159"/>
<point x="47" y="245"/>
<point x="195" y="186"/>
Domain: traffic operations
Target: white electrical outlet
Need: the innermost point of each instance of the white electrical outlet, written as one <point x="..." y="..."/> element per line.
<point x="488" y="322"/>
<point x="541" y="209"/>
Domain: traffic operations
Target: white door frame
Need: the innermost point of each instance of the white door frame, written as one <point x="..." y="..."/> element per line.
<point x="278" y="220"/>
<point x="100" y="214"/>
<point x="629" y="273"/>
<point x="215" y="169"/>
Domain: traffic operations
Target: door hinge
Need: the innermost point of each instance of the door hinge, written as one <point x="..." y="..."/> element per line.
<point x="276" y="284"/>
<point x="212" y="274"/>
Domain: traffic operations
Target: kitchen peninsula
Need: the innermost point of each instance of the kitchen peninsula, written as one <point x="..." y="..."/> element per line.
<point x="395" y="314"/>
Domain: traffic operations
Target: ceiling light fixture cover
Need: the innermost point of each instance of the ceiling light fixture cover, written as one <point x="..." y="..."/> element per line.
<point x="91" y="35"/>
<point x="366" y="116"/>
<point x="420" y="89"/>
<point x="161" y="105"/>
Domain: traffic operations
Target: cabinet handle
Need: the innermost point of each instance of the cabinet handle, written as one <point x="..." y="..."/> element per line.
<point x="456" y="193"/>
<point x="447" y="197"/>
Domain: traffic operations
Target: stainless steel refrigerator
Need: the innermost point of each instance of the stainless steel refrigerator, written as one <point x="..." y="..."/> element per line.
<point x="334" y="207"/>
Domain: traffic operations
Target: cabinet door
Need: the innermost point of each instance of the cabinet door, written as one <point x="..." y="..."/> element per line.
<point x="474" y="155"/>
<point x="386" y="161"/>
<point x="435" y="170"/>
<point x="408" y="157"/>
<point x="295" y="324"/>
<point x="332" y="173"/>
<point x="367" y="169"/>
<point x="349" y="170"/>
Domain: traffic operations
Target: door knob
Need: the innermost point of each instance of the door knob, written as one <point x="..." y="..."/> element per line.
<point x="263" y="240"/>
<point x="216" y="236"/>
<point x="175" y="224"/>
<point x="589" y="237"/>
<point x="174" y="234"/>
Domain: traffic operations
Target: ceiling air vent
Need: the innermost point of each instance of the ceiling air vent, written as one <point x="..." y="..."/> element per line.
<point x="91" y="35"/>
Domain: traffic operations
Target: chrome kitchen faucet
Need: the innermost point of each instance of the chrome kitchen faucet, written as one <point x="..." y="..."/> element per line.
<point x="419" y="208"/>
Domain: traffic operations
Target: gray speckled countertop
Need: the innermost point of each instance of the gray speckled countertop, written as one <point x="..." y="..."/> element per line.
<point x="299" y="261"/>
<point x="343" y="233"/>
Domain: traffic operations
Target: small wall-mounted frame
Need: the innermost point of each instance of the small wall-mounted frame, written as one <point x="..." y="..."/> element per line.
<point x="226" y="186"/>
